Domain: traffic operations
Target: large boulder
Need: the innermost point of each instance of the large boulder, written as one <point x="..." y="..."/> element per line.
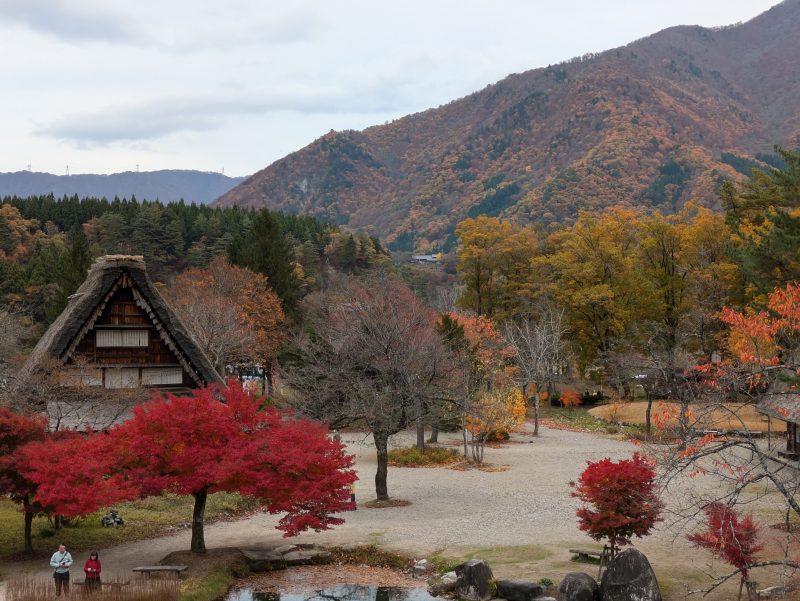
<point x="578" y="586"/>
<point x="629" y="577"/>
<point x="519" y="590"/>
<point x="474" y="580"/>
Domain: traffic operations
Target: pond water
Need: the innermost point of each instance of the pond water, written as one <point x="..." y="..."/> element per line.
<point x="342" y="592"/>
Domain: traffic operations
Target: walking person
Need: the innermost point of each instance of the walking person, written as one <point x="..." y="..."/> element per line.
<point x="60" y="562"/>
<point x="91" y="569"/>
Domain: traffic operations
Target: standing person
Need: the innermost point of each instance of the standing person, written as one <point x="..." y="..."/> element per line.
<point x="92" y="571"/>
<point x="60" y="562"/>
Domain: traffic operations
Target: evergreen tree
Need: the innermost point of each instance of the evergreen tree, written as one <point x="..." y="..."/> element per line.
<point x="264" y="250"/>
<point x="73" y="266"/>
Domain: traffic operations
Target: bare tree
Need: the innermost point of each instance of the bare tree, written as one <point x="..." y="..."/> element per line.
<point x="538" y="351"/>
<point x="372" y="358"/>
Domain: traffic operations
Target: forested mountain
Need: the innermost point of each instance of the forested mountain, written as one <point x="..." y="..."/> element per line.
<point x="166" y="185"/>
<point x="655" y="123"/>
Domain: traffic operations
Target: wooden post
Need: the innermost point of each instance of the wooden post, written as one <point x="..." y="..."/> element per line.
<point x="769" y="433"/>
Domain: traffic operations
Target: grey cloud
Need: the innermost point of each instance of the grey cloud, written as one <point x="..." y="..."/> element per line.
<point x="71" y="21"/>
<point x="161" y="117"/>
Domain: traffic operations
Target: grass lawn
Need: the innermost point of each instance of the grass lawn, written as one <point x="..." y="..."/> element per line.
<point x="732" y="419"/>
<point x="583" y="420"/>
<point x="143" y="519"/>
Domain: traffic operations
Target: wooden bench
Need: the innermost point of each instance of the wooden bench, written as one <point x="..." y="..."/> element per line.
<point x="150" y="570"/>
<point x="584" y="555"/>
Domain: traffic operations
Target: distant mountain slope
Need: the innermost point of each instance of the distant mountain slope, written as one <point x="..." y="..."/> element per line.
<point x="167" y="185"/>
<point x="654" y="123"/>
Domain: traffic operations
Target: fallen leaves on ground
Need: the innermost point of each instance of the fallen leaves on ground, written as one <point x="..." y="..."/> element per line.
<point x="312" y="578"/>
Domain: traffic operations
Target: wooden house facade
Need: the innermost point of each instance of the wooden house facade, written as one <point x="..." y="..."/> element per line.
<point x="118" y="332"/>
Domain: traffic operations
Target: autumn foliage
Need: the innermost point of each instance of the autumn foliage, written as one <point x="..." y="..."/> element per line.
<point x="729" y="536"/>
<point x="16" y="432"/>
<point x="198" y="445"/>
<point x="570" y="399"/>
<point x="756" y="337"/>
<point x="217" y="439"/>
<point x="620" y="500"/>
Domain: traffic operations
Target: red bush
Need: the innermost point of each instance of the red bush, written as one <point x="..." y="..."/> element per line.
<point x="620" y="500"/>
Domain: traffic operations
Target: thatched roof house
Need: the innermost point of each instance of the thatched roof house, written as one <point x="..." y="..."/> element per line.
<point x="118" y="332"/>
<point x="786" y="408"/>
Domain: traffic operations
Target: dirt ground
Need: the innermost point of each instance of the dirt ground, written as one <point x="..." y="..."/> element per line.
<point x="735" y="417"/>
<point x="521" y="518"/>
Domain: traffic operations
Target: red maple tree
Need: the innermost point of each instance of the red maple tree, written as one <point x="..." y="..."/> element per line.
<point x="75" y="474"/>
<point x="198" y="445"/>
<point x="16" y="431"/>
<point x="730" y="537"/>
<point x="620" y="500"/>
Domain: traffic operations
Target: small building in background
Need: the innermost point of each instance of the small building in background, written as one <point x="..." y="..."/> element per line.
<point x="426" y="259"/>
<point x="786" y="408"/>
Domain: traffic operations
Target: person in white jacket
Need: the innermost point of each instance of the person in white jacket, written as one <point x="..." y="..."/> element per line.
<point x="60" y="562"/>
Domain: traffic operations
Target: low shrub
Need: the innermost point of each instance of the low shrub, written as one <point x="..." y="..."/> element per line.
<point x="412" y="457"/>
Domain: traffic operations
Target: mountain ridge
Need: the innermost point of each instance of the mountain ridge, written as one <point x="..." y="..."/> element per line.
<point x="646" y="124"/>
<point x="166" y="185"/>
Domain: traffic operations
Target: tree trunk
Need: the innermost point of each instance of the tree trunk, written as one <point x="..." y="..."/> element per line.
<point x="198" y="538"/>
<point x="28" y="524"/>
<point x="648" y="411"/>
<point x="421" y="434"/>
<point x="536" y="407"/>
<point x="464" y="432"/>
<point x="434" y="434"/>
<point x="683" y="426"/>
<point x="382" y="446"/>
<point x="268" y="382"/>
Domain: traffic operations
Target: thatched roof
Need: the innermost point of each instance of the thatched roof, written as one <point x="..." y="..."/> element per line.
<point x="784" y="406"/>
<point x="85" y="306"/>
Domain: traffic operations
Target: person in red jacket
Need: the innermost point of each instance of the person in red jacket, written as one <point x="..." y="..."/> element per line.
<point x="92" y="570"/>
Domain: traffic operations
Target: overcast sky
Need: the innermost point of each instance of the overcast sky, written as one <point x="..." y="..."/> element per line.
<point x="188" y="84"/>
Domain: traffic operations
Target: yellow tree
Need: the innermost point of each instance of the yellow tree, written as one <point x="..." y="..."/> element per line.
<point x="495" y="413"/>
<point x="494" y="262"/>
<point x="591" y="272"/>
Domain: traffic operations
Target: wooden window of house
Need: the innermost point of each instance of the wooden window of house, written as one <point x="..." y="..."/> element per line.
<point x="122" y="338"/>
<point x="161" y="376"/>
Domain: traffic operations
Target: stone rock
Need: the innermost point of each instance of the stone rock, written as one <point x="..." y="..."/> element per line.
<point x="629" y="577"/>
<point x="519" y="590"/>
<point x="263" y="561"/>
<point x="276" y="558"/>
<point x="446" y="583"/>
<point x="578" y="586"/>
<point x="419" y="568"/>
<point x="474" y="579"/>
